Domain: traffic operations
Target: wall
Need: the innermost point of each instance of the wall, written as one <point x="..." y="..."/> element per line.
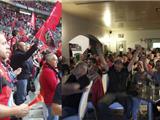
<point x="82" y="41"/>
<point x="133" y="37"/>
<point x="73" y="26"/>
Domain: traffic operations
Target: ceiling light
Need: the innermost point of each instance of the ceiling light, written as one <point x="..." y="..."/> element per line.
<point x="107" y="18"/>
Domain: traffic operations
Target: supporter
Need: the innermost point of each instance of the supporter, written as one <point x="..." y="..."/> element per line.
<point x="21" y="58"/>
<point x="48" y="82"/>
<point x="5" y="91"/>
<point x="71" y="102"/>
<point x="109" y="60"/>
<point x="139" y="78"/>
<point x="155" y="76"/>
<point x="13" y="40"/>
<point x="117" y="89"/>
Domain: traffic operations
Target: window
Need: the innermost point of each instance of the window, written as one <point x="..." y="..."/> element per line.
<point x="156" y="45"/>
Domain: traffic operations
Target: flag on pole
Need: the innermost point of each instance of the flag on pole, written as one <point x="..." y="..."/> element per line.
<point x="36" y="100"/>
<point x="41" y="34"/>
<point x="33" y="21"/>
<point x="54" y="17"/>
<point x="51" y="22"/>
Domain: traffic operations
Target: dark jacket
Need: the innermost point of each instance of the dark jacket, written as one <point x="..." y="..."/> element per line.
<point x="73" y="101"/>
<point x="21" y="59"/>
<point x="117" y="80"/>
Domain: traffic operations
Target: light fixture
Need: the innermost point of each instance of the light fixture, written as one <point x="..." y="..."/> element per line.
<point x="107" y="18"/>
<point x="24" y="12"/>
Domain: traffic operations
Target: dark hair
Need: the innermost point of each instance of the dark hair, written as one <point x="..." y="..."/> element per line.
<point x="118" y="61"/>
<point x="14" y="32"/>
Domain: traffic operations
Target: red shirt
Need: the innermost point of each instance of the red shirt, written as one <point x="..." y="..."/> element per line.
<point x="48" y="83"/>
<point x="6" y="90"/>
<point x="4" y="97"/>
<point x="97" y="91"/>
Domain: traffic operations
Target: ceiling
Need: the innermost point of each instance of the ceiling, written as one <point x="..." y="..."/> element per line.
<point x="123" y="14"/>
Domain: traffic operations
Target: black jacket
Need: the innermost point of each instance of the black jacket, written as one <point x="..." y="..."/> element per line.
<point x="21" y="59"/>
<point x="74" y="100"/>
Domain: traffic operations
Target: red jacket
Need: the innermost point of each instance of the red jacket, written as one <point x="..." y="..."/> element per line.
<point x="6" y="90"/>
<point x="48" y="83"/>
<point x="97" y="91"/>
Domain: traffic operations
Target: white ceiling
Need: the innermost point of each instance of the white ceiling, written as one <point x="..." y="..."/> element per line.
<point x="124" y="14"/>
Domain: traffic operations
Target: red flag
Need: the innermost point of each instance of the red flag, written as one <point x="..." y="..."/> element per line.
<point x="33" y="21"/>
<point x="54" y="17"/>
<point x="51" y="22"/>
<point x="41" y="34"/>
<point x="38" y="99"/>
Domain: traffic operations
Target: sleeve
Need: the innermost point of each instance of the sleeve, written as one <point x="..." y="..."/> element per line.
<point x="28" y="54"/>
<point x="58" y="97"/>
<point x="84" y="81"/>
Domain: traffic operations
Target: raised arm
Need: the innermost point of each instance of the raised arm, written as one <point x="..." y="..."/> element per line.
<point x="131" y="63"/>
<point x="102" y="60"/>
<point x="29" y="53"/>
<point x="144" y="60"/>
<point x="70" y="88"/>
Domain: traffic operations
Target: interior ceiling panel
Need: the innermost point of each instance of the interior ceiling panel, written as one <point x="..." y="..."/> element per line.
<point x="132" y="14"/>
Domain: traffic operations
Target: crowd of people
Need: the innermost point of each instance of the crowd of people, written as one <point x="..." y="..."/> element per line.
<point x="24" y="61"/>
<point x="13" y="20"/>
<point x="124" y="70"/>
<point x="41" y="5"/>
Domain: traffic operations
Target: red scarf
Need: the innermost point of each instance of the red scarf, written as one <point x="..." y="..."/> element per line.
<point x="6" y="90"/>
